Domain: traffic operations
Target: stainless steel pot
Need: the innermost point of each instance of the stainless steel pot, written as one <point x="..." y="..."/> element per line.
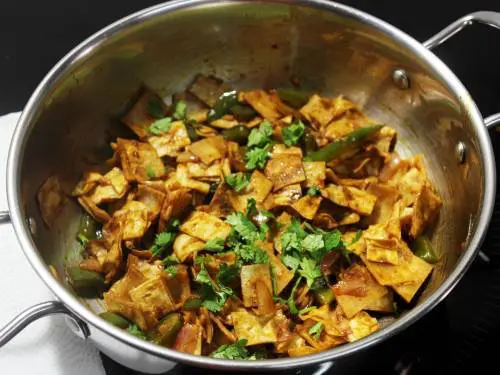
<point x="330" y="48"/>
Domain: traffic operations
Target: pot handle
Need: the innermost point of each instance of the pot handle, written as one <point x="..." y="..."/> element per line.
<point x="4" y="217"/>
<point x="485" y="17"/>
<point x="36" y="312"/>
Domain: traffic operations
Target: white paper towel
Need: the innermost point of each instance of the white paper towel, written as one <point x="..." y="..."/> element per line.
<point x="47" y="346"/>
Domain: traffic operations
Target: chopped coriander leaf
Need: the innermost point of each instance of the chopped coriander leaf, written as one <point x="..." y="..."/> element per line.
<point x="292" y="134"/>
<point x="160" y="126"/>
<point x="309" y="268"/>
<point x="251" y="254"/>
<point x="170" y="260"/>
<point x="233" y="351"/>
<point x="257" y="158"/>
<point x="313" y="242"/>
<point x="332" y="240"/>
<point x="180" y="110"/>
<point x="136" y="331"/>
<point x="243" y="227"/>
<point x="150" y="171"/>
<point x="290" y="262"/>
<point x="251" y="208"/>
<point x="171" y="270"/>
<point x="313" y="191"/>
<point x="162" y="241"/>
<point x="82" y="239"/>
<point x="227" y="273"/>
<point x="305" y="310"/>
<point x="155" y="108"/>
<point x="173" y="224"/>
<point x="261" y="136"/>
<point x="215" y="245"/>
<point x="238" y="181"/>
<point x="316" y="330"/>
<point x="214" y="294"/>
<point x="292" y="237"/>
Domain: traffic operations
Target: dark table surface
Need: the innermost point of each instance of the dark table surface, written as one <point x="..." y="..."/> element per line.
<point x="461" y="336"/>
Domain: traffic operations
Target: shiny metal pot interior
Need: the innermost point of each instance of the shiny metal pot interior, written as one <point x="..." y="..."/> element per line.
<point x="327" y="47"/>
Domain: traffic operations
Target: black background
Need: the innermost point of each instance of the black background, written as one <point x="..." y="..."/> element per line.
<point x="461" y="335"/>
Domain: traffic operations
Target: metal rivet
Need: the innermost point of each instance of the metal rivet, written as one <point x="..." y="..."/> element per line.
<point x="78" y="329"/>
<point x="32" y="226"/>
<point x="400" y="78"/>
<point x="460" y="152"/>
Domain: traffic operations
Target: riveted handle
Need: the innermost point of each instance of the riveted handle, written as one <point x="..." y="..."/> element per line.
<point x="4" y="217"/>
<point x="36" y="312"/>
<point x="484" y="17"/>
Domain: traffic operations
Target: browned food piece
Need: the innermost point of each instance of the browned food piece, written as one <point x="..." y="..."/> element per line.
<point x="384" y="141"/>
<point x="211" y="173"/>
<point x="283" y="221"/>
<point x="152" y="198"/>
<point x="236" y="157"/>
<point x="382" y="250"/>
<point x="97" y="252"/>
<point x="340" y="329"/>
<point x="228" y="334"/>
<point x="111" y="187"/>
<point x="284" y="170"/>
<point x="97" y="213"/>
<point x="357" y="290"/>
<point x="189" y="339"/>
<point x="255" y="329"/>
<point x="220" y="205"/>
<point x="175" y="203"/>
<point x="321" y="111"/>
<point x="386" y="198"/>
<point x="205" y="226"/>
<point x="307" y="206"/>
<point x="209" y="149"/>
<point x="51" y="200"/>
<point x="182" y="178"/>
<point x="405" y="277"/>
<point x="263" y="102"/>
<point x="178" y="284"/>
<point x="226" y="122"/>
<point x="140" y="162"/>
<point x="129" y="222"/>
<point x="346" y="196"/>
<point x="208" y="89"/>
<point x="259" y="189"/>
<point x="346" y="124"/>
<point x="282" y="274"/>
<point x="186" y="245"/>
<point x="284" y="197"/>
<point x="426" y="207"/>
<point x="256" y="287"/>
<point x="147" y="309"/>
<point x="171" y="142"/>
<point x="315" y="172"/>
<point x="138" y="118"/>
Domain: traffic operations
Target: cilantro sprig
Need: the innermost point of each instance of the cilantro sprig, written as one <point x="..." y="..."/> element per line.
<point x="292" y="133"/>
<point x="238" y="181"/>
<point x="304" y="246"/>
<point x="235" y="351"/>
<point x="214" y="293"/>
<point x="259" y="142"/>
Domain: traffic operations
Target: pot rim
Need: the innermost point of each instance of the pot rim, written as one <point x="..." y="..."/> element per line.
<point x="22" y="231"/>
